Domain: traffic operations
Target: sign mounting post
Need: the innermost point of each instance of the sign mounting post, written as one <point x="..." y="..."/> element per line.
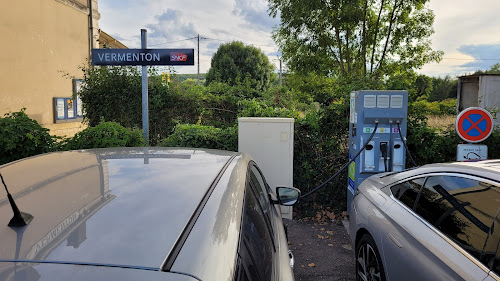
<point x="143" y="57"/>
<point x="145" y="103"/>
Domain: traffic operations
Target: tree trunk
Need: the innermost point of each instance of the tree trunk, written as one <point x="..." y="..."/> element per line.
<point x="375" y="35"/>
<point x="347" y="48"/>
<point x="339" y="45"/>
<point x="363" y="40"/>
<point x="387" y="40"/>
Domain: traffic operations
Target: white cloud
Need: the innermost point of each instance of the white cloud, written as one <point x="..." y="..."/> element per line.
<point x="220" y="21"/>
<point x="459" y="24"/>
<point x="255" y="13"/>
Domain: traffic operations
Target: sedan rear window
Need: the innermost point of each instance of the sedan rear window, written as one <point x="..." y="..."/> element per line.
<point x="407" y="192"/>
<point x="463" y="209"/>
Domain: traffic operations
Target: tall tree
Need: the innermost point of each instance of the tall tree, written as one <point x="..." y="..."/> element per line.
<point x="234" y="62"/>
<point x="354" y="38"/>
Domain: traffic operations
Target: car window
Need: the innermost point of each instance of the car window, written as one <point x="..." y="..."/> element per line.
<point x="241" y="273"/>
<point x="257" y="251"/>
<point x="261" y="192"/>
<point x="407" y="192"/>
<point x="491" y="254"/>
<point x="463" y="209"/>
<point x="260" y="187"/>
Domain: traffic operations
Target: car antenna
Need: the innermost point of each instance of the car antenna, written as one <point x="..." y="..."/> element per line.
<point x="20" y="218"/>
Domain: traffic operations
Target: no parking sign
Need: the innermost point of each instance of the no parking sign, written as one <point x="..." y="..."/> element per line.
<point x="474" y="124"/>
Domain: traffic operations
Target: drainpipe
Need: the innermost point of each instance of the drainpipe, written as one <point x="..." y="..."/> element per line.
<point x="91" y="28"/>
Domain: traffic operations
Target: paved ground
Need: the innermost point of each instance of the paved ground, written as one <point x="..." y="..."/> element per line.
<point x="322" y="252"/>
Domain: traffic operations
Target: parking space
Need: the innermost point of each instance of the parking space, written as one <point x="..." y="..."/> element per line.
<point x="322" y="252"/>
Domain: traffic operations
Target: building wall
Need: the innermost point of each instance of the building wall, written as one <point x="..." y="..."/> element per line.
<point x="469" y="94"/>
<point x="480" y="91"/>
<point x="489" y="96"/>
<point x="45" y="43"/>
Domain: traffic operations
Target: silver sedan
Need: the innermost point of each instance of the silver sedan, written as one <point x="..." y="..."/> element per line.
<point x="142" y="214"/>
<point x="436" y="222"/>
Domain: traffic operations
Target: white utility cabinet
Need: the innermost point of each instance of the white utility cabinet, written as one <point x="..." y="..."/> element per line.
<point x="270" y="143"/>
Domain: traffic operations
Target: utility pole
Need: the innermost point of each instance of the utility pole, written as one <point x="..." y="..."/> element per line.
<point x="198" y="59"/>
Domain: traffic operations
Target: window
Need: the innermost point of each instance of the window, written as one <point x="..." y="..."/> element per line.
<point x="241" y="273"/>
<point x="463" y="209"/>
<point x="67" y="110"/>
<point x="261" y="192"/>
<point x="492" y="246"/>
<point x="407" y="192"/>
<point x="256" y="246"/>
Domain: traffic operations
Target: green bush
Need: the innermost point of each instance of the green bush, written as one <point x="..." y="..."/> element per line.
<point x="200" y="136"/>
<point x="21" y="136"/>
<point x="105" y="134"/>
<point x="259" y="108"/>
<point x="119" y="89"/>
<point x="445" y="107"/>
<point x="320" y="150"/>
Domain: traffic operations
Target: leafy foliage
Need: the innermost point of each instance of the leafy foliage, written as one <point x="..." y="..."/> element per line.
<point x="21" y="136"/>
<point x="112" y="94"/>
<point x="203" y="136"/>
<point x="235" y="64"/>
<point x="443" y="88"/>
<point x="445" y="107"/>
<point x="106" y="134"/>
<point x="354" y="38"/>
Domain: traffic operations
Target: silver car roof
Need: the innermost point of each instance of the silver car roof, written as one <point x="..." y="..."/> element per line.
<point x="27" y="271"/>
<point x="489" y="169"/>
<point x="121" y="206"/>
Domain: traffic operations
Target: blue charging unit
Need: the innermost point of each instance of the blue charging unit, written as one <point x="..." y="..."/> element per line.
<point x="385" y="151"/>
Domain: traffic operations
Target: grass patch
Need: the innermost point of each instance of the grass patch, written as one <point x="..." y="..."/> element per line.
<point x="441" y="122"/>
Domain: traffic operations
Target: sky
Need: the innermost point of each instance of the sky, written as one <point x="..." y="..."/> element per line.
<point x="468" y="32"/>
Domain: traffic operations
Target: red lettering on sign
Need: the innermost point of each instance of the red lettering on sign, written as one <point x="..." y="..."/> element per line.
<point x="174" y="56"/>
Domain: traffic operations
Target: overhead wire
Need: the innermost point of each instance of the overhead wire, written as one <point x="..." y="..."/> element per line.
<point x="173" y="41"/>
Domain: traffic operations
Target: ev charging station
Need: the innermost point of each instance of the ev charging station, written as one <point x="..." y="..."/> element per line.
<point x="387" y="111"/>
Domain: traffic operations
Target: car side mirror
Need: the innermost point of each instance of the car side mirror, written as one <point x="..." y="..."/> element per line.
<point x="287" y="196"/>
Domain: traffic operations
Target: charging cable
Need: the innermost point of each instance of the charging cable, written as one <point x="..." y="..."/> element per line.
<point x="406" y="147"/>
<point x="383" y="150"/>
<point x="344" y="167"/>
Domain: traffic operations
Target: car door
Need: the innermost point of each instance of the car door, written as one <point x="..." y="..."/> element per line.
<point x="463" y="208"/>
<point x="283" y="259"/>
<point x="491" y="253"/>
<point x="257" y="244"/>
<point x="404" y="256"/>
<point x="441" y="236"/>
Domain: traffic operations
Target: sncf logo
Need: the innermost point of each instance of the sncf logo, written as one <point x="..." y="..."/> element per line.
<point x="174" y="56"/>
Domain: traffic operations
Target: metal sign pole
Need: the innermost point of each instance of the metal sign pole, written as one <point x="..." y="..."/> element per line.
<point x="143" y="57"/>
<point x="145" y="107"/>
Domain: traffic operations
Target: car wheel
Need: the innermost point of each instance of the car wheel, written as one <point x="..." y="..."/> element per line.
<point x="368" y="262"/>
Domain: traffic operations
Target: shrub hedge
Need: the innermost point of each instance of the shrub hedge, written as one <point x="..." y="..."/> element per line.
<point x="105" y="134"/>
<point x="187" y="135"/>
<point x="21" y="136"/>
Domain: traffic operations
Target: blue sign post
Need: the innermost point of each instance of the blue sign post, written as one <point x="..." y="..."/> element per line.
<point x="143" y="57"/>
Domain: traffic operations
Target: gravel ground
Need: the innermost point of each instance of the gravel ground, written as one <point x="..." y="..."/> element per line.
<point x="322" y="252"/>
